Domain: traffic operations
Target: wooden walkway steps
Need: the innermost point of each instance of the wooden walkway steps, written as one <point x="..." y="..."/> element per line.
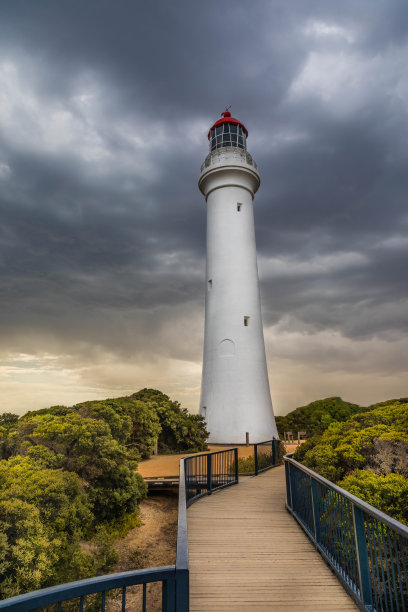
<point x="248" y="553"/>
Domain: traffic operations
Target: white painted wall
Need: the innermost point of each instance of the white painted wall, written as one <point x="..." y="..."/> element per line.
<point x="235" y="387"/>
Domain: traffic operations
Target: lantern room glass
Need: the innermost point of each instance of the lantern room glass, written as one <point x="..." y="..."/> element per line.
<point x="227" y="135"/>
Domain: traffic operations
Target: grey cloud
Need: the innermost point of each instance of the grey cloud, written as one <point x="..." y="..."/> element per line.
<point x="103" y="230"/>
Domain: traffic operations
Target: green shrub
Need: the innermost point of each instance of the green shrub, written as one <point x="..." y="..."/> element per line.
<point x="68" y="485"/>
<point x="28" y="554"/>
<point x="180" y="430"/>
<point x="388" y="493"/>
<point x="366" y="455"/>
<point x="359" y="443"/>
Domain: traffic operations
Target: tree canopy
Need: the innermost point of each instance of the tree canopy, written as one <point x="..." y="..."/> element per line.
<point x="367" y="455"/>
<point x="68" y="476"/>
<point x="316" y="416"/>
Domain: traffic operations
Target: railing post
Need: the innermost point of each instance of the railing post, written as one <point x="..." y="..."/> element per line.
<point x="169" y="595"/>
<point x="362" y="556"/>
<point x="273" y="452"/>
<point x="291" y="487"/>
<point x="256" y="459"/>
<point x="209" y="475"/>
<point x="288" y="497"/>
<point x="236" y="464"/>
<point x="182" y="590"/>
<point x="182" y="568"/>
<point x="315" y="507"/>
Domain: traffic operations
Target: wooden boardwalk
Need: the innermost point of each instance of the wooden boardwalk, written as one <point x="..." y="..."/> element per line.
<point x="248" y="553"/>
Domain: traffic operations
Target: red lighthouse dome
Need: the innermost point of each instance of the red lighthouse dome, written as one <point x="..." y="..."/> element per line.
<point x="227" y="132"/>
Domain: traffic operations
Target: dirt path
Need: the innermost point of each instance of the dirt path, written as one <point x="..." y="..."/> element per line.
<point x="153" y="544"/>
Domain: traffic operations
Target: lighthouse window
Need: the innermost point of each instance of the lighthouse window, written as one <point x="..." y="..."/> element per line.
<point x="209" y="285"/>
<point x="246" y="321"/>
<point x="227" y="135"/>
<point x="239" y="207"/>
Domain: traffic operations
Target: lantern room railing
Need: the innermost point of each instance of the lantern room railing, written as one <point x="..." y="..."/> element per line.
<point x="217" y="156"/>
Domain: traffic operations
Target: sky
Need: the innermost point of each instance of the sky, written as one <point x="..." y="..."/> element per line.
<point x="104" y="113"/>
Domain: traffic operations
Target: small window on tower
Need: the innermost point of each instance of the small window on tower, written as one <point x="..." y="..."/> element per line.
<point x="209" y="285"/>
<point x="246" y="321"/>
<point x="239" y="206"/>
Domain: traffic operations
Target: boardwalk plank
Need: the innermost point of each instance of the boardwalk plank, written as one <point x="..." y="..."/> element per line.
<point x="247" y="553"/>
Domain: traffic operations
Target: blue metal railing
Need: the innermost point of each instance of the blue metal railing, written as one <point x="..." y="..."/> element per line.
<point x="210" y="472"/>
<point x="100" y="585"/>
<point x="367" y="549"/>
<point x="182" y="571"/>
<point x="199" y="475"/>
<point x="266" y="455"/>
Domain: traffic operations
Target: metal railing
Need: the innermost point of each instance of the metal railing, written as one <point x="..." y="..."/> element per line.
<point x="367" y="550"/>
<point x="209" y="472"/>
<point x="218" y="155"/>
<point x="266" y="455"/>
<point x="182" y="570"/>
<point x="76" y="592"/>
<point x="199" y="475"/>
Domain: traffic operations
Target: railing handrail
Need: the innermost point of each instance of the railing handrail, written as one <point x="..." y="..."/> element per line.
<point x="182" y="534"/>
<point x="86" y="586"/>
<point x="224" y="450"/>
<point x="364" y="547"/>
<point x="182" y="569"/>
<point x="371" y="510"/>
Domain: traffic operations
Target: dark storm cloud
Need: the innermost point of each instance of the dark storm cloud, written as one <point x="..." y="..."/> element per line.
<point x="104" y="130"/>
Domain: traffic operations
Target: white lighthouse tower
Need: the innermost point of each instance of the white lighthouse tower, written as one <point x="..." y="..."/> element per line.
<point x="235" y="395"/>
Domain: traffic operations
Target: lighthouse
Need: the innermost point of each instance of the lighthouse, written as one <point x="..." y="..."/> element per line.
<point x="235" y="394"/>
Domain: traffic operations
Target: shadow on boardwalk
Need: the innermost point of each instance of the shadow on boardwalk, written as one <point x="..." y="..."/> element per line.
<point x="248" y="553"/>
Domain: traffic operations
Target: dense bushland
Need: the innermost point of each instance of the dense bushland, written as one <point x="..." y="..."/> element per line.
<point x="316" y="416"/>
<point x="68" y="482"/>
<point x="367" y="454"/>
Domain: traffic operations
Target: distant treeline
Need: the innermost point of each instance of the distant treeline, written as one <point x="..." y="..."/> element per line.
<point x="68" y="484"/>
<point x="362" y="449"/>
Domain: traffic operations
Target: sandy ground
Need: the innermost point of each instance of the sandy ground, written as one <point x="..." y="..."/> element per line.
<point x="168" y="465"/>
<point x="151" y="545"/>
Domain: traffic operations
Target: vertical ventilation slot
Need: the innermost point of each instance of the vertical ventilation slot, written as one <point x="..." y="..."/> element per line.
<point x="246" y="321"/>
<point x="239" y="206"/>
<point x="209" y="285"/>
